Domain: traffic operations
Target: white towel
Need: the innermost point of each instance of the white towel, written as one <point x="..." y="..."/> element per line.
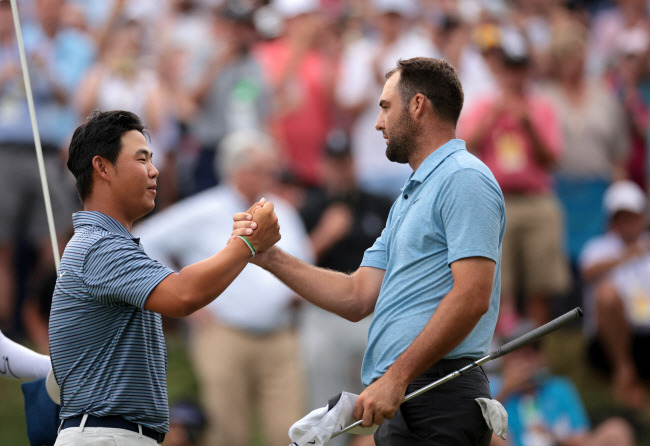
<point x="495" y="416"/>
<point x="319" y="425"/>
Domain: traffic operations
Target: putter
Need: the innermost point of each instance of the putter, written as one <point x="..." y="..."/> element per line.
<point x="529" y="337"/>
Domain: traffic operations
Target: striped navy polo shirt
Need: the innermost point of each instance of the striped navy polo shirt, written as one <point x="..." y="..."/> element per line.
<point x="108" y="352"/>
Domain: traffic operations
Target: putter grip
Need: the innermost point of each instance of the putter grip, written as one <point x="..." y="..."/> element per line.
<point x="537" y="333"/>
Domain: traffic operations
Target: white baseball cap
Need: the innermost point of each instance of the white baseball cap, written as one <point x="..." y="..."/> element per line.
<point x="406" y="8"/>
<point x="292" y="8"/>
<point x="624" y="196"/>
<point x="633" y="41"/>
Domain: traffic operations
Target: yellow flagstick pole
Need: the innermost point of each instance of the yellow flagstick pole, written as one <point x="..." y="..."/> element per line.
<point x="37" y="138"/>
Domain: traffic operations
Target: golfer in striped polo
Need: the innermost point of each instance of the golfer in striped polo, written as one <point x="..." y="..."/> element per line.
<point x="106" y="340"/>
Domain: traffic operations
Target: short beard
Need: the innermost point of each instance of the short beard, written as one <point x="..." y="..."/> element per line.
<point x="401" y="143"/>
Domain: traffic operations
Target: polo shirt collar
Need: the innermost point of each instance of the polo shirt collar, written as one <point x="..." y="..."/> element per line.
<point x="432" y="161"/>
<point x="94" y="218"/>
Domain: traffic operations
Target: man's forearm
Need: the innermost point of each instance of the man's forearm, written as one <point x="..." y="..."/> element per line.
<point x="333" y="291"/>
<point x="196" y="285"/>
<point x="210" y="277"/>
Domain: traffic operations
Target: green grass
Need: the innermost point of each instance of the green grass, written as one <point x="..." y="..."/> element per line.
<point x="12" y="416"/>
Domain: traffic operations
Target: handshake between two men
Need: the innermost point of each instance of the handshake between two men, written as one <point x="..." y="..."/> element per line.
<point x="258" y="227"/>
<point x="351" y="296"/>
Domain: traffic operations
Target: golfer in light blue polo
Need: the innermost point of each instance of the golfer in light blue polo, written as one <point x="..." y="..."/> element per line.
<point x="432" y="278"/>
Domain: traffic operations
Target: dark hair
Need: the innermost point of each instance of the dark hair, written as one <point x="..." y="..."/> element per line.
<point x="100" y="135"/>
<point x="434" y="78"/>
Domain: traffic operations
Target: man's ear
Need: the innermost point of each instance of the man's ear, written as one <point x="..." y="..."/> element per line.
<point x="418" y="105"/>
<point x="100" y="166"/>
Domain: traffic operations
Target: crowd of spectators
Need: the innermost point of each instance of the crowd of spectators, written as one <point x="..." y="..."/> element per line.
<point x="557" y="104"/>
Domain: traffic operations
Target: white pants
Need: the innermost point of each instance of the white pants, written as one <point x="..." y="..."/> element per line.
<point x="101" y="436"/>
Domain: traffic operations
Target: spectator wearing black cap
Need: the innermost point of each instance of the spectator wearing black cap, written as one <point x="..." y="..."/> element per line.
<point x="342" y="222"/>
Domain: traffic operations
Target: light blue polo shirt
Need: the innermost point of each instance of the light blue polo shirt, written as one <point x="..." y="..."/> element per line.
<point x="108" y="353"/>
<point x="450" y="208"/>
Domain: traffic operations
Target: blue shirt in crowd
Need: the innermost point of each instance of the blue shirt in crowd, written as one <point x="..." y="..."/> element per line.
<point x="63" y="60"/>
<point x="450" y="208"/>
<point x="554" y="408"/>
<point x="108" y="353"/>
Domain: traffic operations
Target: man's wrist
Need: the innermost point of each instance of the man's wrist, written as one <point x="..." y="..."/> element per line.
<point x="242" y="248"/>
<point x="396" y="376"/>
<point x="248" y="243"/>
<point x="269" y="259"/>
